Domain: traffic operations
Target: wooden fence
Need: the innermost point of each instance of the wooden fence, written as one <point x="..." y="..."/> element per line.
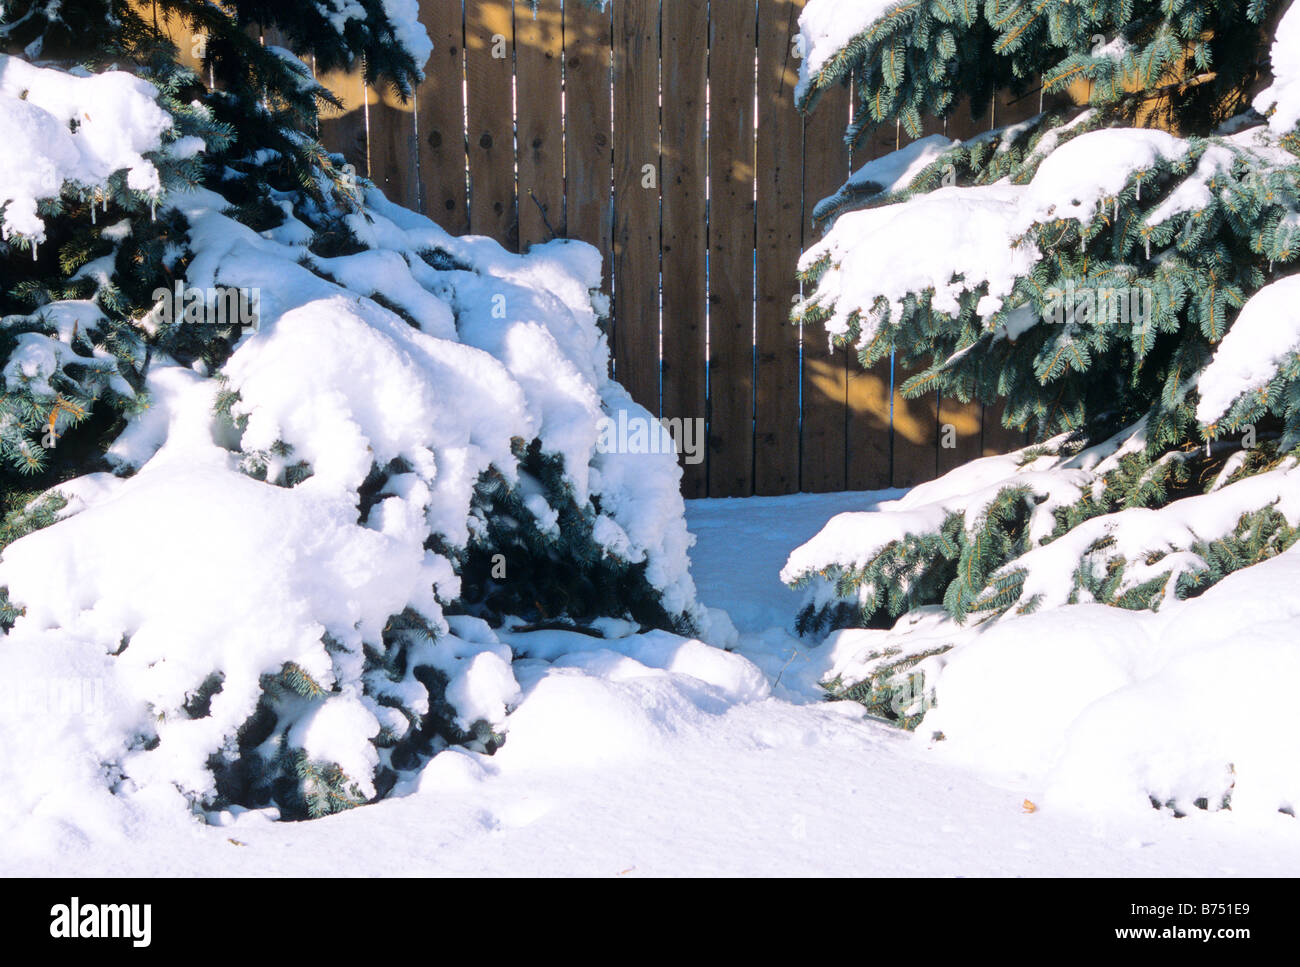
<point x="664" y="133"/>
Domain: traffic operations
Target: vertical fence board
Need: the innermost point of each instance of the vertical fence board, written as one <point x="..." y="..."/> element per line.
<point x="960" y="126"/>
<point x="684" y="242"/>
<point x="868" y="420"/>
<point x="916" y="432"/>
<point x="394" y="153"/>
<point x="393" y="150"/>
<point x="272" y="37"/>
<point x="731" y="249"/>
<point x="180" y="34"/>
<point x="488" y="33"/>
<point x="589" y="210"/>
<point x="539" y="53"/>
<point x="919" y="460"/>
<point x="961" y="432"/>
<point x="825" y="369"/>
<point x="440" y="118"/>
<point x="880" y="142"/>
<point x="343" y="130"/>
<point x="636" y="200"/>
<point x="188" y="43"/>
<point x="776" y="398"/>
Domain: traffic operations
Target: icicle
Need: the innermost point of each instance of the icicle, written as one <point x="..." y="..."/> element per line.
<point x="1147" y="240"/>
<point x="34" y="248"/>
<point x="153" y="209"/>
<point x="1139" y="191"/>
<point x="104" y="197"/>
<point x="1117" y="209"/>
<point x="92" y="211"/>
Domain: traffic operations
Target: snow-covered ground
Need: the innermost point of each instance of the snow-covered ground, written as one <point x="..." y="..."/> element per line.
<point x="656" y="756"/>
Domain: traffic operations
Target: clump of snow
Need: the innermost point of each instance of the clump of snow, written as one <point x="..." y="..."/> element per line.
<point x="1074" y="179"/>
<point x="850" y="540"/>
<point x="827" y="26"/>
<point x="638" y="689"/>
<point x="348" y="385"/>
<point x="404" y="15"/>
<point x="1251" y="146"/>
<point x="37" y="357"/>
<point x="1157" y="543"/>
<point x="1154" y="543"/>
<point x="1282" y="97"/>
<point x="484" y="690"/>
<point x="889" y="252"/>
<point x="121" y="583"/>
<point x="887" y="174"/>
<point x="1194" y="193"/>
<point x="64" y="131"/>
<point x="1264" y="334"/>
<point x="871" y="260"/>
<point x="1106" y="710"/>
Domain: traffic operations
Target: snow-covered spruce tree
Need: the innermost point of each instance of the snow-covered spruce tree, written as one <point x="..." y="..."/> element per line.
<point x="279" y="542"/>
<point x="1124" y="291"/>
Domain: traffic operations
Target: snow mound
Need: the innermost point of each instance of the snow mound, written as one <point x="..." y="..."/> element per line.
<point x="277" y="572"/>
<point x="1122" y="710"/>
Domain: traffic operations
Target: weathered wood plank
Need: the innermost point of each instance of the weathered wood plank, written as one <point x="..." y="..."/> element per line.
<point x="826" y="370"/>
<point x="440" y="118"/>
<point x="731" y="249"/>
<point x="636" y="200"/>
<point x="916" y="432"/>
<point x="589" y="208"/>
<point x="489" y="69"/>
<point x="345" y="130"/>
<point x="960" y="432"/>
<point x="915" y="421"/>
<point x="394" y="150"/>
<point x="780" y="161"/>
<point x="539" y="66"/>
<point x="684" y="238"/>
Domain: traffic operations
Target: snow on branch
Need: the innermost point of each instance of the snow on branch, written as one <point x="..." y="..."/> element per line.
<point x="58" y="129"/>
